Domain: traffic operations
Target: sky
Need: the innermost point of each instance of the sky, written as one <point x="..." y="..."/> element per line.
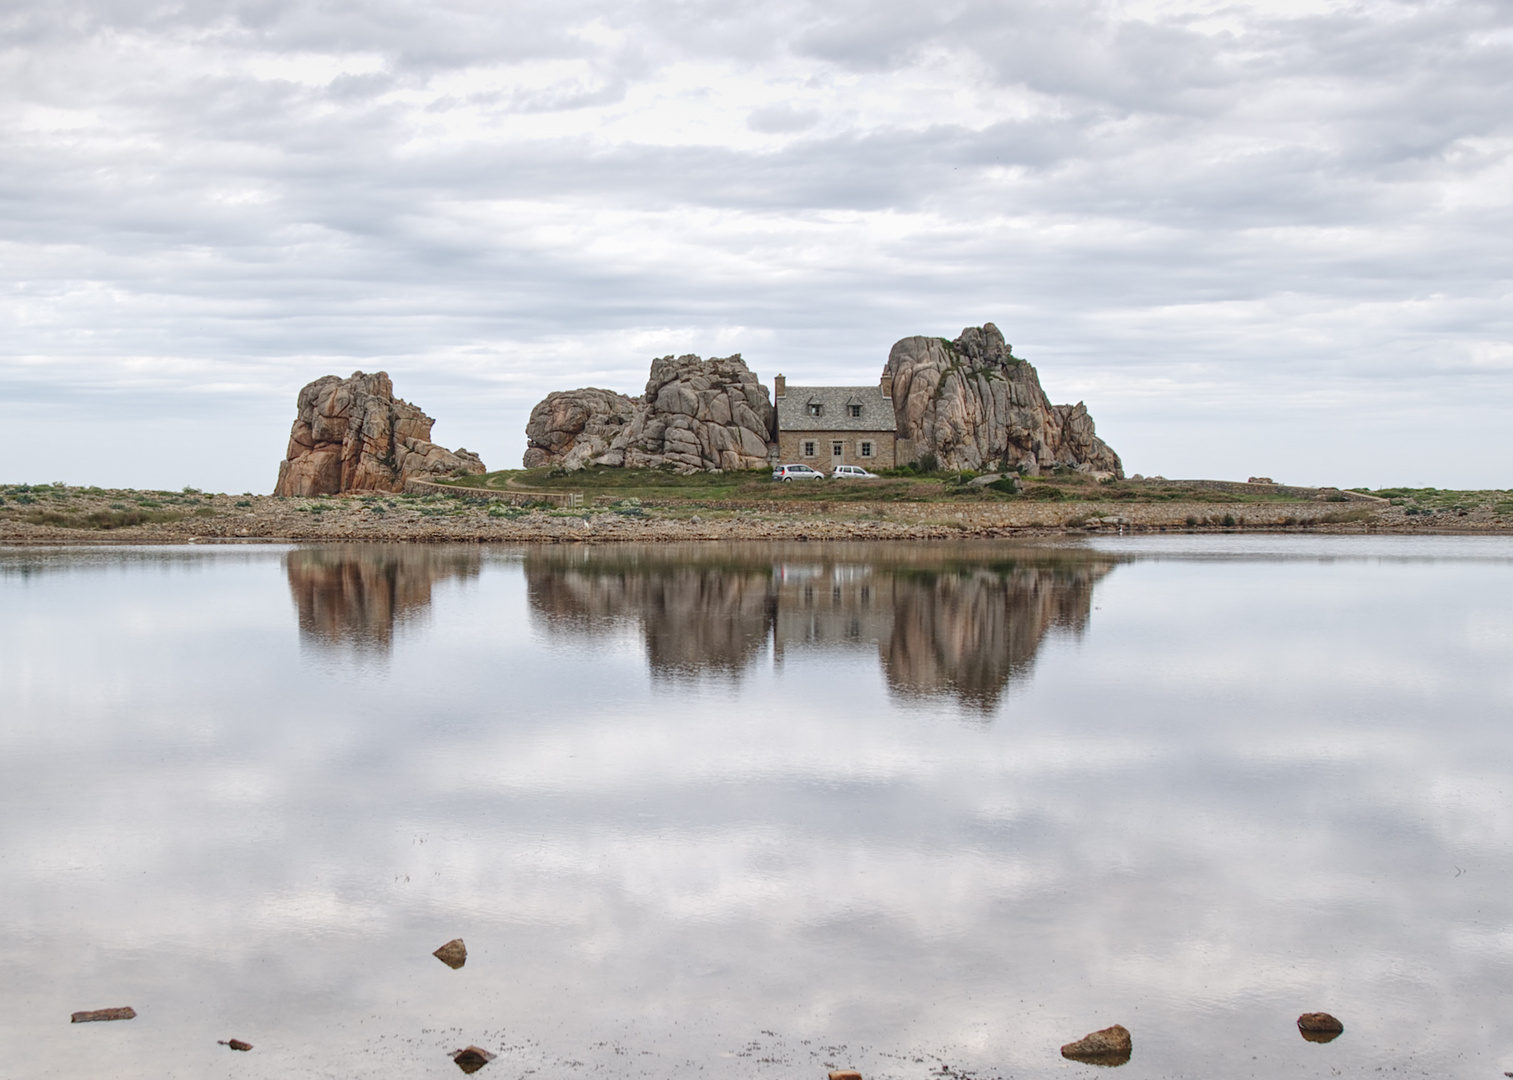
<point x="1256" y="239"/>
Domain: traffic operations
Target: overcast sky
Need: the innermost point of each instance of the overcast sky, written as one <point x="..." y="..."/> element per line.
<point x="1255" y="238"/>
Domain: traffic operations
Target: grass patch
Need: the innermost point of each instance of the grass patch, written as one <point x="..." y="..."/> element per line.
<point x="102" y="519"/>
<point x="1345" y="517"/>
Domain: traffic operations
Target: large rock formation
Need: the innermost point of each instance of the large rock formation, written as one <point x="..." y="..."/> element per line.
<point x="354" y="435"/>
<point x="695" y="415"/>
<point x="972" y="404"/>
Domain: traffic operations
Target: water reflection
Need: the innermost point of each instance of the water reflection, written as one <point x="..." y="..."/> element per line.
<point x="1262" y="786"/>
<point x="354" y="595"/>
<point x="942" y="622"/>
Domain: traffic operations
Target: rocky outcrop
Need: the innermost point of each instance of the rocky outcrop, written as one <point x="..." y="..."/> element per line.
<point x="1111" y="1046"/>
<point x="973" y="404"/>
<point x="695" y="415"/>
<point x="353" y="434"/>
<point x="1320" y="1027"/>
<point x="573" y="427"/>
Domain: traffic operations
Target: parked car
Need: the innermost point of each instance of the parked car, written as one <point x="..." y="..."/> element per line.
<point x="796" y="472"/>
<point x="852" y="472"/>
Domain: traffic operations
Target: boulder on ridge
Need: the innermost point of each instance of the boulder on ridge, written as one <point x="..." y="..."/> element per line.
<point x="353" y="434"/>
<point x="695" y="415"/>
<point x="973" y="404"/>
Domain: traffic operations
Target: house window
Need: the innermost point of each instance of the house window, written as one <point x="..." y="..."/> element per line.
<point x="808" y="449"/>
<point x="837" y="449"/>
<point x="856" y="410"/>
<point x="816" y="408"/>
<point x="866" y="449"/>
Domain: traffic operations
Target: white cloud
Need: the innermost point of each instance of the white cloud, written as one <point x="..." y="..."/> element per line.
<point x="1297" y="201"/>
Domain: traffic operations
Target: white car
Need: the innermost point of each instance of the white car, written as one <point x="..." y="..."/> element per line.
<point x="852" y="472"/>
<point x="796" y="472"/>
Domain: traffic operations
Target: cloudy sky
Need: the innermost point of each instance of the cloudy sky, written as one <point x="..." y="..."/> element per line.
<point x="1254" y="238"/>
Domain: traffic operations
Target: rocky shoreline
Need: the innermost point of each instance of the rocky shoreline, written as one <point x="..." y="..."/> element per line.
<point x="54" y="515"/>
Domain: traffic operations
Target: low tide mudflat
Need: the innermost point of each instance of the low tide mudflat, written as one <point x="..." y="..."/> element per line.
<point x="758" y="810"/>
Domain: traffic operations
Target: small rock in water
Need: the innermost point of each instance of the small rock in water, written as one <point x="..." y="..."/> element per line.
<point x="845" y="1074"/>
<point x="235" y="1044"/>
<point x="473" y="1058"/>
<point x="126" y="1013"/>
<point x="1319" y="1027"/>
<point x="1111" y="1046"/>
<point x="453" y="954"/>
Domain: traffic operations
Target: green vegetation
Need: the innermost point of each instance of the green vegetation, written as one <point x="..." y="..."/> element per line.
<point x="917" y="482"/>
<point x="100" y="519"/>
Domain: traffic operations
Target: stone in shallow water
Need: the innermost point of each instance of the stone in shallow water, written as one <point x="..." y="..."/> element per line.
<point x="845" y="1074"/>
<point x="1319" y="1027"/>
<point x="472" y="1058"/>
<point x="453" y="954"/>
<point x="1110" y="1046"/>
<point x="236" y="1044"/>
<point x="125" y="1013"/>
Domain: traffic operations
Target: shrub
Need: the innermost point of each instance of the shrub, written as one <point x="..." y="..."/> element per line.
<point x="1192" y="519"/>
<point x="1229" y="520"/>
<point x="100" y="519"/>
<point x="928" y="463"/>
<point x="244" y="503"/>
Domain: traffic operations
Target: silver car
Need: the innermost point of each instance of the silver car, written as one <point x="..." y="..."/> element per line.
<point x="851" y="472"/>
<point x="796" y="472"/>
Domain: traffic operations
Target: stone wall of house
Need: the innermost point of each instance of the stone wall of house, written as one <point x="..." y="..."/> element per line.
<point x="791" y="448"/>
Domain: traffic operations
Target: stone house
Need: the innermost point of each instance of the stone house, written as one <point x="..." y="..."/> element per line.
<point x="826" y="426"/>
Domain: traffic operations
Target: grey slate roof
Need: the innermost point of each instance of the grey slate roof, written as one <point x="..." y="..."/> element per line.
<point x="793" y="409"/>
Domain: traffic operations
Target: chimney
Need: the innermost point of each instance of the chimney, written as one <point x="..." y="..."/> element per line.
<point x="887" y="385"/>
<point x="779" y="386"/>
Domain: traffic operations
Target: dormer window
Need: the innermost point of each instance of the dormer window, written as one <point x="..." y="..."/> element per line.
<point x="855" y="410"/>
<point x="816" y="408"/>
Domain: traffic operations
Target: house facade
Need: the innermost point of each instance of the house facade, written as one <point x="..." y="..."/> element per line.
<point x="826" y="426"/>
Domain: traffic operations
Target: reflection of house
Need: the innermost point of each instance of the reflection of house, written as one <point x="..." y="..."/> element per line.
<point x="826" y="426"/>
<point x="964" y="630"/>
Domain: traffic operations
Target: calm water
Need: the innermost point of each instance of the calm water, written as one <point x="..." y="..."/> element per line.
<point x="756" y="811"/>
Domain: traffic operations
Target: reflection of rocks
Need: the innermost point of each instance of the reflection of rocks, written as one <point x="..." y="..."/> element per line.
<point x="958" y="626"/>
<point x="355" y="594"/>
<point x="693" y="618"/>
<point x="1319" y="1027"/>
<point x="971" y="632"/>
<point x="1111" y="1046"/>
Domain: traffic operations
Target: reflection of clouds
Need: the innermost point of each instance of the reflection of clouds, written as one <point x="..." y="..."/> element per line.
<point x="943" y="622"/>
<point x="256" y="846"/>
<point x="355" y="594"/>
